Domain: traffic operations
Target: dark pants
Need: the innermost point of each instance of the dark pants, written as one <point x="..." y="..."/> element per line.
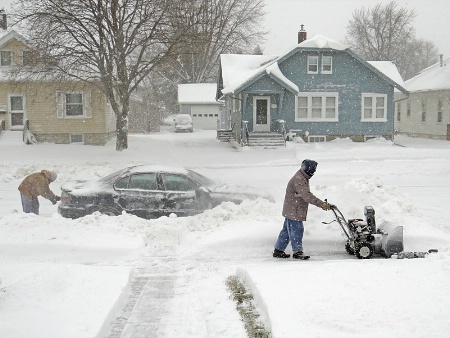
<point x="28" y="205"/>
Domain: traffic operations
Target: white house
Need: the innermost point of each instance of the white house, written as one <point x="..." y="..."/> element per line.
<point x="199" y="101"/>
<point x="426" y="111"/>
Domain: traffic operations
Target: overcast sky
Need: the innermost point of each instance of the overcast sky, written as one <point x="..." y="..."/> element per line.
<point x="330" y="18"/>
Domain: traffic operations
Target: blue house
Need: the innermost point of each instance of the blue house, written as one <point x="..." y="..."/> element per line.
<point x="319" y="90"/>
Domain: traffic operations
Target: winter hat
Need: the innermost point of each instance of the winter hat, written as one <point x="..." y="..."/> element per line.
<point x="53" y="176"/>
<point x="309" y="167"/>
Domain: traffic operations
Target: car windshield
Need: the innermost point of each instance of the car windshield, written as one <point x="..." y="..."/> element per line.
<point x="183" y="119"/>
<point x="112" y="177"/>
<point x="204" y="181"/>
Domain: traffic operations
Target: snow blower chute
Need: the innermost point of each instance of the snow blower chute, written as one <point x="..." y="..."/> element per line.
<point x="364" y="238"/>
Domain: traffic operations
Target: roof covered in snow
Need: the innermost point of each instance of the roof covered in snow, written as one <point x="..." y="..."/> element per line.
<point x="197" y="93"/>
<point x="238" y="69"/>
<point x="435" y="77"/>
<point x="389" y="69"/>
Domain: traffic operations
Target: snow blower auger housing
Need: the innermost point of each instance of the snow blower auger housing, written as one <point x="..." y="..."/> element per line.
<point x="364" y="239"/>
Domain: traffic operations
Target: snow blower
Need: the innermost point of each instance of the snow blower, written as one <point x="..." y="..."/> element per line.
<point x="365" y="239"/>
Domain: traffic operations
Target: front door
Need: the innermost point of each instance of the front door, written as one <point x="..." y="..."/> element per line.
<point x="16" y="107"/>
<point x="261" y="113"/>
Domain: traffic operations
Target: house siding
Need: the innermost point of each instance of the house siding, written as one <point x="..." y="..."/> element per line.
<point x="40" y="105"/>
<point x="349" y="79"/>
<point x="413" y="125"/>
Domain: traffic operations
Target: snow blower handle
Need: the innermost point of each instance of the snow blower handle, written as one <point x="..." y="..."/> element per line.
<point x="332" y="206"/>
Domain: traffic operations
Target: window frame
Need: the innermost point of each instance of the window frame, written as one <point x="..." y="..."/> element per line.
<point x="374" y="97"/>
<point x="423" y="109"/>
<point x="309" y="64"/>
<point x="317" y="138"/>
<point x="331" y="65"/>
<point x="61" y="105"/>
<point x="440" y="113"/>
<point x="1" y="58"/>
<point x="323" y="96"/>
<point x="25" y="58"/>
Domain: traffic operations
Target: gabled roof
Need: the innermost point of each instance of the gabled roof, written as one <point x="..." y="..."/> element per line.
<point x="9" y="34"/>
<point x="435" y="77"/>
<point x="239" y="71"/>
<point x="197" y="93"/>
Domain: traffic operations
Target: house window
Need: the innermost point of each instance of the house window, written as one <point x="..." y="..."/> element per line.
<point x="317" y="107"/>
<point x="327" y="65"/>
<point x="313" y="64"/>
<point x="5" y="58"/>
<point x="73" y="105"/>
<point x="398" y="111"/>
<point x="374" y="107"/>
<point x="76" y="138"/>
<point x="424" y="112"/>
<point x="27" y="58"/>
<point x="408" y="109"/>
<point x="439" y="112"/>
<point x="317" y="138"/>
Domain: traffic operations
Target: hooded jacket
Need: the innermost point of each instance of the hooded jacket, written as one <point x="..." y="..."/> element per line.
<point x="298" y="196"/>
<point x="37" y="184"/>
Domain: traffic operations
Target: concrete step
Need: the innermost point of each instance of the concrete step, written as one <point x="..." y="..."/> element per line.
<point x="11" y="137"/>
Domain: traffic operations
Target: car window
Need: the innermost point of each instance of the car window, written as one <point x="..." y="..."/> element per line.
<point x="178" y="183"/>
<point x="122" y="183"/>
<point x="143" y="182"/>
<point x="205" y="181"/>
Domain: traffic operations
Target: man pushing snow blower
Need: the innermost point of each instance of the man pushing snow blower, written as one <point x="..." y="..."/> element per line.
<point x="295" y="208"/>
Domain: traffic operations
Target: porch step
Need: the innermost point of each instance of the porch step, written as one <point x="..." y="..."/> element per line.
<point x="225" y="135"/>
<point x="265" y="140"/>
<point x="9" y="137"/>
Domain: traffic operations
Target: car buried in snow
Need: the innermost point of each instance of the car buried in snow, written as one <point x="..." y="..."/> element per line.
<point x="150" y="191"/>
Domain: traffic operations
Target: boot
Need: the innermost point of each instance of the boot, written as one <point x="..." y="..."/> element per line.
<point x="299" y="255"/>
<point x="280" y="254"/>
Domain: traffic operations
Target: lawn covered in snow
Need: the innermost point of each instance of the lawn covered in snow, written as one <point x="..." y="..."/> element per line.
<point x="70" y="278"/>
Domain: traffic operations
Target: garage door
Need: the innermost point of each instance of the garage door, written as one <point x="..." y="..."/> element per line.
<point x="205" y="117"/>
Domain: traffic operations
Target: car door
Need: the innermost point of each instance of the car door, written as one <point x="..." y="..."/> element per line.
<point x="180" y="194"/>
<point x="140" y="194"/>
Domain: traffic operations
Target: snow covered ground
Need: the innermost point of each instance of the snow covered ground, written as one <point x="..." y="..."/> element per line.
<point x="77" y="278"/>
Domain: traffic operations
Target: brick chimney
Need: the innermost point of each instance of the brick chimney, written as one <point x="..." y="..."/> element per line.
<point x="301" y="34"/>
<point x="3" y="21"/>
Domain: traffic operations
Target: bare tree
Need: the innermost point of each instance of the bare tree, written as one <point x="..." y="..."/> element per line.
<point x="387" y="33"/>
<point x="114" y="42"/>
<point x="221" y="26"/>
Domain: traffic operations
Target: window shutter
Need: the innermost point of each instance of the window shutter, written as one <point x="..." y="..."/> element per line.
<point x="60" y="104"/>
<point x="87" y="104"/>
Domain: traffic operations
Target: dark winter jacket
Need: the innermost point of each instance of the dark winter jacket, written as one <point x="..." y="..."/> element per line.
<point x="298" y="196"/>
<point x="37" y="184"/>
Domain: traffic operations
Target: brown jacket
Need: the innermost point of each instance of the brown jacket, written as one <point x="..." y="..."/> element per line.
<point x="298" y="197"/>
<point x="37" y="184"/>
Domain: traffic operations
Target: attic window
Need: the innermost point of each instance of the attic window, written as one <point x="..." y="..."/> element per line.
<point x="327" y="65"/>
<point x="313" y="64"/>
<point x="5" y="58"/>
<point x="27" y="58"/>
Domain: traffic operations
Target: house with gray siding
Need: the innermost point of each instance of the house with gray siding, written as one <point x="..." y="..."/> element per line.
<point x="425" y="112"/>
<point x="319" y="90"/>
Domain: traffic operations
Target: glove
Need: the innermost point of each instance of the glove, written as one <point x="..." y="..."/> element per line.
<point x="325" y="206"/>
<point x="55" y="199"/>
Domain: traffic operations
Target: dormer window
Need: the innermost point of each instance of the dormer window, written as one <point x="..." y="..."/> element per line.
<point x="313" y="64"/>
<point x="27" y="58"/>
<point x="5" y="58"/>
<point x="327" y="65"/>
